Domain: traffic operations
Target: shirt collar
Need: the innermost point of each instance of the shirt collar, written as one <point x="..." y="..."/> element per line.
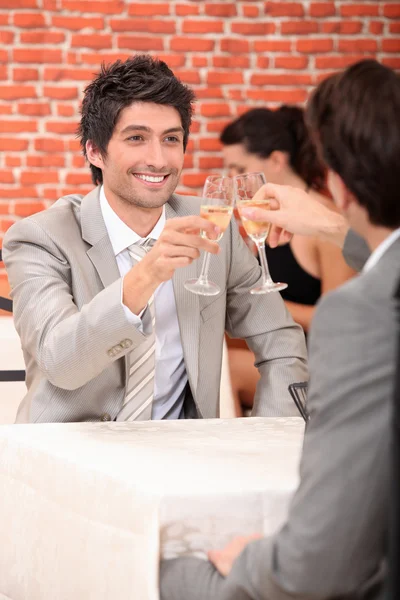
<point x="381" y="249"/>
<point x="121" y="236"/>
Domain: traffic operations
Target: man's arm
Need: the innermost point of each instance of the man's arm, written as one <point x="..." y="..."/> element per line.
<point x="70" y="346"/>
<point x="335" y="534"/>
<point x="295" y="211"/>
<point x="269" y="330"/>
<point x="73" y="345"/>
<point x="334" y="538"/>
<point x="196" y="579"/>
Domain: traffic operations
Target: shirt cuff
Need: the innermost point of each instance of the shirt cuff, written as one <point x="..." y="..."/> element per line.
<point x="142" y="321"/>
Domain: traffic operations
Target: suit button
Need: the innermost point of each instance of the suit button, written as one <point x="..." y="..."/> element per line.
<point x="126" y="343"/>
<point x="105" y="417"/>
<point x="111" y="353"/>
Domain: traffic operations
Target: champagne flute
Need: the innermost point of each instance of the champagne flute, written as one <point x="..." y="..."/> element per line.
<point x="217" y="207"/>
<point x="246" y="186"/>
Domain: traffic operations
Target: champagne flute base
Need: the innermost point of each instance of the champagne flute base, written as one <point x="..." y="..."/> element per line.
<point x="207" y="288"/>
<point x="269" y="287"/>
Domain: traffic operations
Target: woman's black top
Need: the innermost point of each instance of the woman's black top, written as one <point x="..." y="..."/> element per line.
<point x="302" y="288"/>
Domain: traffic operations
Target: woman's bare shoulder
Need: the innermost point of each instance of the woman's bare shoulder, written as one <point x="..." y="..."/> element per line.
<point x="324" y="199"/>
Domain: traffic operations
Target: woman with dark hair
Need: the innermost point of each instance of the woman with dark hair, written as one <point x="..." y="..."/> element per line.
<point x="277" y="143"/>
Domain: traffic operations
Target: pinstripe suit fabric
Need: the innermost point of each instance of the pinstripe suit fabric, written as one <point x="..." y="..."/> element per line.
<point x="76" y="338"/>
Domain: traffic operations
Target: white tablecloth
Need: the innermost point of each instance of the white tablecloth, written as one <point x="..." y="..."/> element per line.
<point x="87" y="508"/>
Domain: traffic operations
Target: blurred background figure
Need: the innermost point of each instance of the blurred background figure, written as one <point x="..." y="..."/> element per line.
<point x="277" y="143"/>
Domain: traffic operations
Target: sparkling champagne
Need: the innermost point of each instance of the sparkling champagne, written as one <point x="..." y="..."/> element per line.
<point x="256" y="230"/>
<point x="219" y="215"/>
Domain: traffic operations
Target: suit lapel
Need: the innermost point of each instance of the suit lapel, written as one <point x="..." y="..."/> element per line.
<point x="187" y="304"/>
<point x="101" y="252"/>
<point x="95" y="233"/>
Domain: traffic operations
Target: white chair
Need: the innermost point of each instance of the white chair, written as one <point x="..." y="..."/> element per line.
<point x="226" y="401"/>
<point x="11" y="359"/>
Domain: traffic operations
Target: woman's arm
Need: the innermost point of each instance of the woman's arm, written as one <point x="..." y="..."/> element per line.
<point x="301" y="313"/>
<point x="331" y="269"/>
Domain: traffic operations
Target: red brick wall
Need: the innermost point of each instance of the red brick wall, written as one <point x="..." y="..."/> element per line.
<point x="235" y="55"/>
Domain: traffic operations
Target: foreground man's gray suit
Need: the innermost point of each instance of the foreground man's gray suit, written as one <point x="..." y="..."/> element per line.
<point x="75" y="334"/>
<point x="333" y="543"/>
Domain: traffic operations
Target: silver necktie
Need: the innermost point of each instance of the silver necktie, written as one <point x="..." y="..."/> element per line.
<point x="140" y="388"/>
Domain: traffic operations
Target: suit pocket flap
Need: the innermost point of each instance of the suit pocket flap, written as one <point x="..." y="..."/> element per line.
<point x="216" y="306"/>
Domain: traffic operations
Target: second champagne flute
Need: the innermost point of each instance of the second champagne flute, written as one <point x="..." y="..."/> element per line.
<point x="245" y="188"/>
<point x="217" y="207"/>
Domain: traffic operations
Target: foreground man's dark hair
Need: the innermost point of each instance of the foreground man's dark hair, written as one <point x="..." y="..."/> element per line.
<point x="355" y="117"/>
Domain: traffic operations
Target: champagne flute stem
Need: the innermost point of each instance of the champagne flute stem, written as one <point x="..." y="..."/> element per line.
<point x="203" y="277"/>
<point x="264" y="264"/>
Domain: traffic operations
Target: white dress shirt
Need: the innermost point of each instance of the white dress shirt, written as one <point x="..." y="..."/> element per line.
<point x="170" y="373"/>
<point x="381" y="249"/>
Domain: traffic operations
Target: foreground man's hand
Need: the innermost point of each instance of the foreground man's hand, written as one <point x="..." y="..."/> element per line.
<point x="295" y="211"/>
<point x="223" y="559"/>
<point x="179" y="245"/>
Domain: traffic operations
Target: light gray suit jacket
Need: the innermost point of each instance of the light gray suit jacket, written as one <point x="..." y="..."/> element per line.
<point x="66" y="289"/>
<point x="333" y="543"/>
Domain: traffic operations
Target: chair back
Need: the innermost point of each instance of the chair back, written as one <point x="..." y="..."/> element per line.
<point x="226" y="399"/>
<point x="12" y="388"/>
<point x="5" y="303"/>
<point x="298" y="391"/>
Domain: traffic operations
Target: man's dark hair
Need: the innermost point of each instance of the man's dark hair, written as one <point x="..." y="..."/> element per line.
<point x="138" y="79"/>
<point x="262" y="131"/>
<point x="355" y="117"/>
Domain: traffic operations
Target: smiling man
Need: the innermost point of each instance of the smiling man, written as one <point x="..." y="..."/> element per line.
<point x="107" y="328"/>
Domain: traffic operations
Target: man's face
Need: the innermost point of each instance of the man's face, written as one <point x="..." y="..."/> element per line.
<point x="144" y="156"/>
